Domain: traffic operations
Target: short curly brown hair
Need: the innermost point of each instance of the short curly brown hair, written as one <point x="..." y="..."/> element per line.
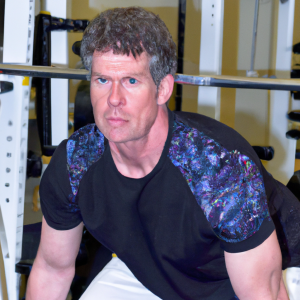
<point x="131" y="30"/>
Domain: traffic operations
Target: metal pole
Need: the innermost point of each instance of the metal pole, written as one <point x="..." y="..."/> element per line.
<point x="2" y="9"/>
<point x="181" y="29"/>
<point x="43" y="5"/>
<point x="3" y="244"/>
<point x="252" y="72"/>
<point x="200" y="80"/>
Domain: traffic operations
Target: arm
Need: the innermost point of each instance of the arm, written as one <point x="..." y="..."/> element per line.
<point x="54" y="266"/>
<point x="282" y="294"/>
<point x="256" y="273"/>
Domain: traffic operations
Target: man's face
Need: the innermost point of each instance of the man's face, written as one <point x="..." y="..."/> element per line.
<point x="123" y="96"/>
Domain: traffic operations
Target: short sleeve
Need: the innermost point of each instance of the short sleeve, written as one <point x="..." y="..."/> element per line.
<point x="55" y="191"/>
<point x="227" y="185"/>
<point x="264" y="231"/>
<point x="244" y="221"/>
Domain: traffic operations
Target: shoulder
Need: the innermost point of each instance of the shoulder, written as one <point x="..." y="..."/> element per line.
<point x="207" y="139"/>
<point x="83" y="149"/>
<point x="85" y="145"/>
<point x="227" y="183"/>
<point x="219" y="132"/>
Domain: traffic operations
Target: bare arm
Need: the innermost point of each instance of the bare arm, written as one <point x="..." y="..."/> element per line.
<point x="282" y="295"/>
<point x="54" y="266"/>
<point x="256" y="274"/>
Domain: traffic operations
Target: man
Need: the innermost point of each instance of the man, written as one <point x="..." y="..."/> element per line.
<point x="180" y="198"/>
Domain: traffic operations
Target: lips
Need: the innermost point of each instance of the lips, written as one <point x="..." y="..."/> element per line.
<point x="116" y="121"/>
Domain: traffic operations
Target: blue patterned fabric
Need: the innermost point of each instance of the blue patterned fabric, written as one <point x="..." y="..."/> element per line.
<point x="84" y="148"/>
<point x="227" y="185"/>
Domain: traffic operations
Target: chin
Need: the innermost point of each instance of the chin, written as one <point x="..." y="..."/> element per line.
<point x="122" y="138"/>
<point x="123" y="135"/>
<point x="116" y="138"/>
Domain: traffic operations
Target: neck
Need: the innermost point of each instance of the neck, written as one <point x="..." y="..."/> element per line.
<point x="136" y="159"/>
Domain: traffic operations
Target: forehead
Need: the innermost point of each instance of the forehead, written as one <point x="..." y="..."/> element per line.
<point x="104" y="60"/>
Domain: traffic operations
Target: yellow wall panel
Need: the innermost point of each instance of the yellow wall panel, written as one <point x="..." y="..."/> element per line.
<point x="229" y="59"/>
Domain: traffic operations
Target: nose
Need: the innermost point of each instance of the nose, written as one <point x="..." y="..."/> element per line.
<point x="116" y="97"/>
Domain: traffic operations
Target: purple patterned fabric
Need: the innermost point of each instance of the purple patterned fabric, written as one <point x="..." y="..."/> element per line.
<point x="84" y="147"/>
<point x="227" y="185"/>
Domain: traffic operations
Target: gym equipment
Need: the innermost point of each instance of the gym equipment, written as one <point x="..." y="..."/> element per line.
<point x="264" y="153"/>
<point x="6" y="86"/>
<point x="296" y="48"/>
<point x="294" y="132"/>
<point x="294" y="115"/>
<point x="16" y="46"/>
<point x="45" y="23"/>
<point x="83" y="110"/>
<point x="295" y="73"/>
<point x="251" y="72"/>
<point x="34" y="165"/>
<point x="180" y="51"/>
<point x="201" y="80"/>
<point x="284" y="18"/>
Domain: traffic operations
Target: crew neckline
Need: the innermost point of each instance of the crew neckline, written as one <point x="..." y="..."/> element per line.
<point x="160" y="162"/>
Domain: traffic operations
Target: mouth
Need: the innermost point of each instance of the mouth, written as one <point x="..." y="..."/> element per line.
<point x="114" y="121"/>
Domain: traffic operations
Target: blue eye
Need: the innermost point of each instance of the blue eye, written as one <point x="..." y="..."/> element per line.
<point x="132" y="81"/>
<point x="102" y="80"/>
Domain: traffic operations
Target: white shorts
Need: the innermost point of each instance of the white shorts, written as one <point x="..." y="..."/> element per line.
<point x="116" y="282"/>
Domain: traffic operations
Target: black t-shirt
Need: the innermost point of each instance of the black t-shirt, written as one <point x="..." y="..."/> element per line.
<point x="208" y="193"/>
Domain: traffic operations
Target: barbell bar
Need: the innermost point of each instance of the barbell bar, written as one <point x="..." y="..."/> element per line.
<point x="201" y="80"/>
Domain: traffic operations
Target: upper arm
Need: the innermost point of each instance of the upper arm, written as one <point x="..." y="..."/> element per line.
<point x="59" y="248"/>
<point x="54" y="266"/>
<point x="256" y="273"/>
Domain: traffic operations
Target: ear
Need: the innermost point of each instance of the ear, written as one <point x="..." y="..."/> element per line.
<point x="165" y="89"/>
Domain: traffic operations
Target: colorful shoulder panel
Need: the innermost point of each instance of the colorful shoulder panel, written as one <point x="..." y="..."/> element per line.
<point x="84" y="147"/>
<point x="227" y="185"/>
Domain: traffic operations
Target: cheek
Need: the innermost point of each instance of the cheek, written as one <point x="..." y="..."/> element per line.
<point x="147" y="109"/>
<point x="144" y="100"/>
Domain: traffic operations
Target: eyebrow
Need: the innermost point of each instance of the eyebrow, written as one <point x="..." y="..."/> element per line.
<point x="96" y="74"/>
<point x="143" y="74"/>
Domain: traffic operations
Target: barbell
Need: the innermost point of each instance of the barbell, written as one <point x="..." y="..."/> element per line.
<point x="201" y="80"/>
